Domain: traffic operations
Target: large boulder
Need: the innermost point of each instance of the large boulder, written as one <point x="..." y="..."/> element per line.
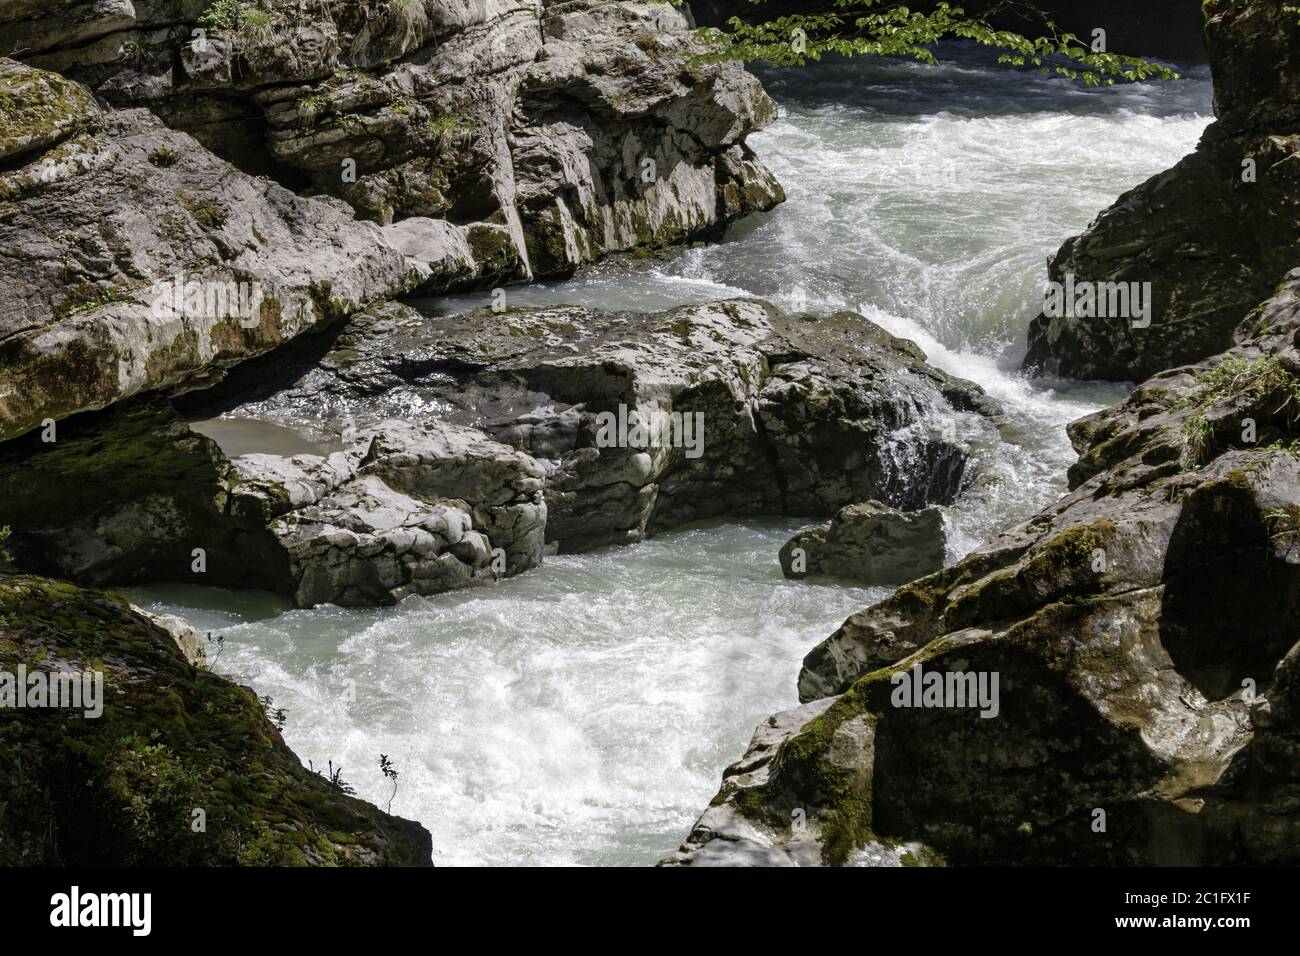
<point x="179" y="767"/>
<point x="135" y="260"/>
<point x="468" y="445"/>
<point x="869" y="543"/>
<point x="1213" y="236"/>
<point x="1111" y="682"/>
<point x="758" y="412"/>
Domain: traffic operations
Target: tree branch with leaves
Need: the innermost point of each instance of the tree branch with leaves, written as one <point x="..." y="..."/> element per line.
<point x="891" y="28"/>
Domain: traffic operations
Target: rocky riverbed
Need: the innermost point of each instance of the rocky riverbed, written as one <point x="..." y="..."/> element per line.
<point x="224" y="221"/>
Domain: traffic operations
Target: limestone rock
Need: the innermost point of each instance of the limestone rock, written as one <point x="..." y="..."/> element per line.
<point x="409" y="510"/>
<point x="132" y="494"/>
<point x="136" y="261"/>
<point x="578" y="129"/>
<point x="757" y="412"/>
<point x="192" y="644"/>
<point x="39" y="110"/>
<point x="869" y="543"/>
<point x="1141" y="632"/>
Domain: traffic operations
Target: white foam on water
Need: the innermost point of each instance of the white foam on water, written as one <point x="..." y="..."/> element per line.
<point x="577" y="714"/>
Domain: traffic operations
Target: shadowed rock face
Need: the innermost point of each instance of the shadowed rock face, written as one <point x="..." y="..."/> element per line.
<point x="120" y="789"/>
<point x="1214" y="235"/>
<point x="131" y="495"/>
<point x="1143" y="633"/>
<point x="869" y="543"/>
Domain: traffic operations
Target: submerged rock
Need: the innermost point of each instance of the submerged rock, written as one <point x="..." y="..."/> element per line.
<point x="1111" y="682"/>
<point x="1213" y="236"/>
<point x="182" y="767"/>
<point x="869" y="543"/>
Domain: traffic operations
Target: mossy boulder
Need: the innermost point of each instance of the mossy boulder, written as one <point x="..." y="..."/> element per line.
<point x="869" y="543"/>
<point x="39" y="110"/>
<point x="129" y="495"/>
<point x="183" y="767"/>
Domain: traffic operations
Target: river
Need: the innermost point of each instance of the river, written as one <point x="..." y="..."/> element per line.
<point x="583" y="712"/>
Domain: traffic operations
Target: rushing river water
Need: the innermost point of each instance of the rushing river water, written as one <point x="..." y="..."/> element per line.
<point x="583" y="712"/>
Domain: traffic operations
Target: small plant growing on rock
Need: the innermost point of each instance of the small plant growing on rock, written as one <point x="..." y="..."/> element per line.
<point x="208" y="213"/>
<point x="165" y="157"/>
<point x="443" y="124"/>
<point x="334" y="776"/>
<point x="5" y="556"/>
<point x="276" y="715"/>
<point x="388" y="770"/>
<point x="222" y="15"/>
<point x="1198" y="435"/>
<point x="220" y="641"/>
<point x="232" y="15"/>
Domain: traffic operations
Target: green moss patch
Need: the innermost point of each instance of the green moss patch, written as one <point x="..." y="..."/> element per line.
<point x="182" y="768"/>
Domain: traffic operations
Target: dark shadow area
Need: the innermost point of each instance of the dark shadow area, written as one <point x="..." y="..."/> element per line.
<point x="1231" y="608"/>
<point x="234" y="128"/>
<point x="1022" y="788"/>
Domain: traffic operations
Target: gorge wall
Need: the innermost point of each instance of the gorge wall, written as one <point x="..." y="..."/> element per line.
<point x="492" y="143"/>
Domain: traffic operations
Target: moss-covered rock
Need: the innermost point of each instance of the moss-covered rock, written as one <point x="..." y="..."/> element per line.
<point x="183" y="767"/>
<point x="39" y="110"/>
<point x="130" y="494"/>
